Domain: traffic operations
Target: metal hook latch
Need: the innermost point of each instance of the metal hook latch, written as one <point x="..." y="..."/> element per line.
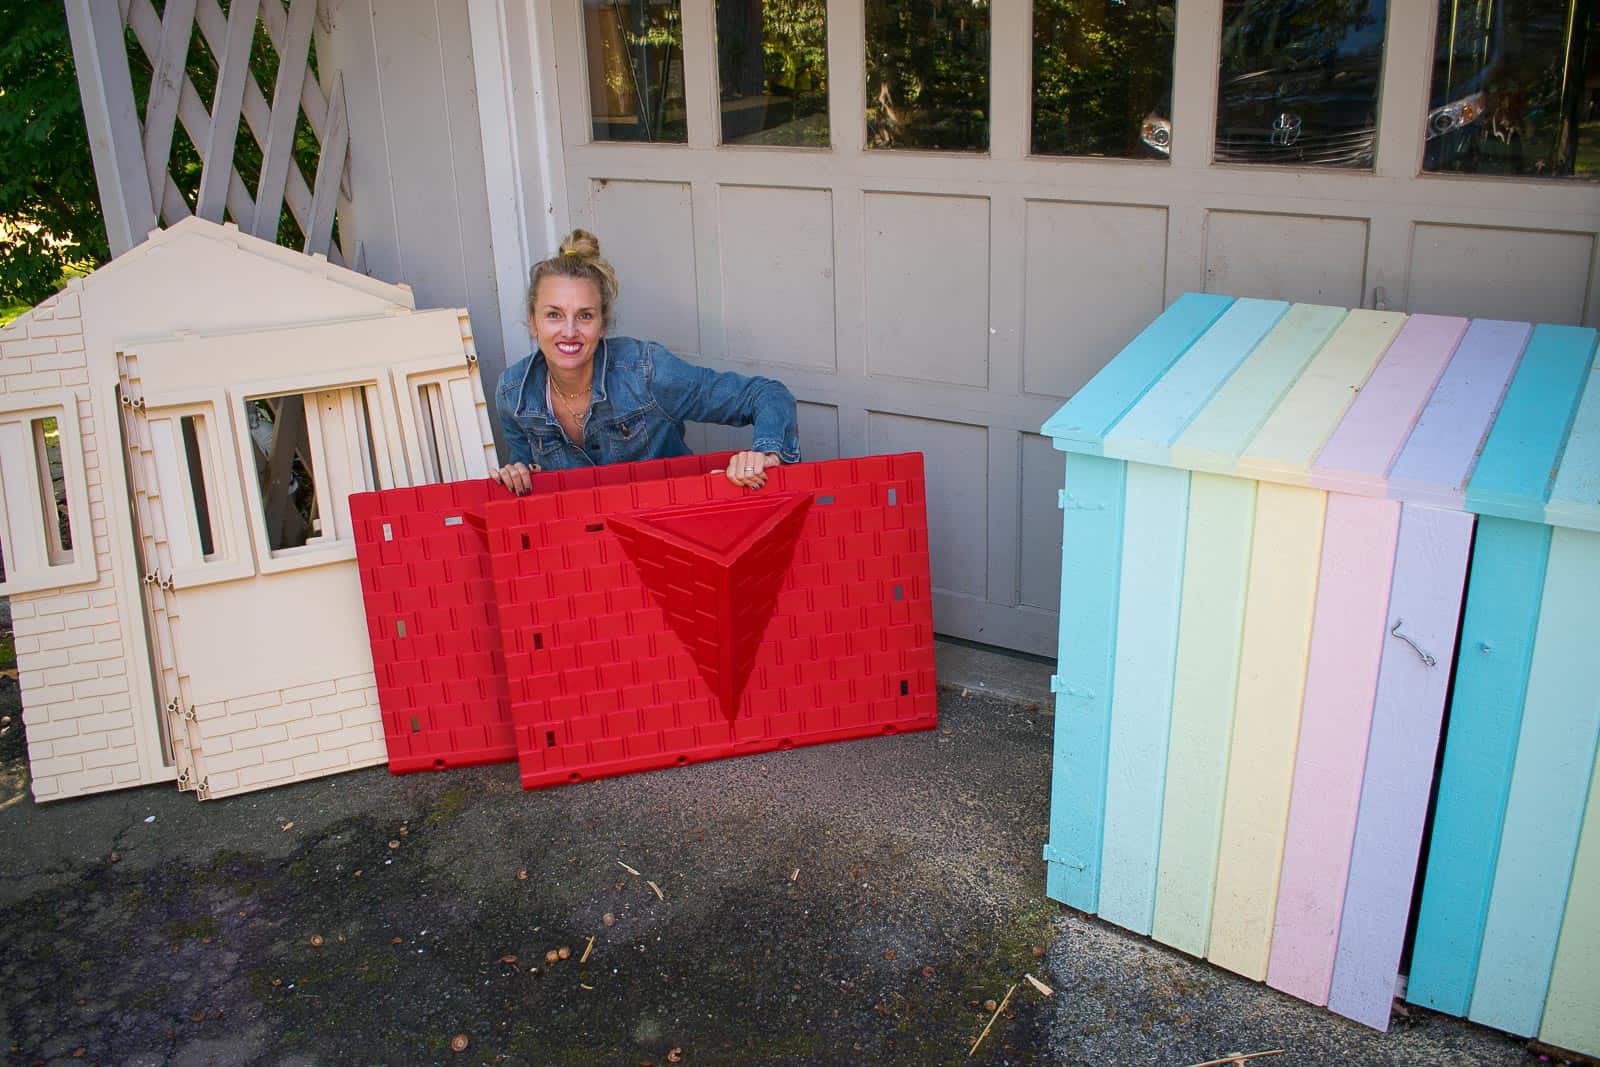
<point x="1394" y="631"/>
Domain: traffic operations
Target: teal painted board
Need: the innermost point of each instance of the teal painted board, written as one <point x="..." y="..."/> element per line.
<point x="1425" y="601"/>
<point x="1145" y="433"/>
<point x="1549" y="790"/>
<point x="1082" y="422"/>
<point x="1575" y="496"/>
<point x="1154" y="522"/>
<point x="1210" y="635"/>
<point x="1091" y="551"/>
<point x="1222" y="429"/>
<point x="1513" y="475"/>
<point x="1504" y="588"/>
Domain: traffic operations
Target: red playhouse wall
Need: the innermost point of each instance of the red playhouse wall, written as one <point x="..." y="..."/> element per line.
<point x="651" y="615"/>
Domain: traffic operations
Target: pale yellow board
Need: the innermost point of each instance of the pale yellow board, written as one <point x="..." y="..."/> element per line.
<point x="1572" y="1007"/>
<point x="1286" y="548"/>
<point x="1285" y="446"/>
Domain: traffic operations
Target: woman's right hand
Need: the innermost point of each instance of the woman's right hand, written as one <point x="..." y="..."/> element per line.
<point x="517" y="477"/>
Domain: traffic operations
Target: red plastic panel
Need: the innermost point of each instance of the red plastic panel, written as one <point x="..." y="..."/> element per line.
<point x="602" y="683"/>
<point x="432" y="622"/>
<point x="424" y="565"/>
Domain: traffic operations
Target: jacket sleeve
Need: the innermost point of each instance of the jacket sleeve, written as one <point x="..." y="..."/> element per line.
<point x="697" y="394"/>
<point x="518" y="448"/>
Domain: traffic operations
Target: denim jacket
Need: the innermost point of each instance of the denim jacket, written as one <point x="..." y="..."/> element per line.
<point x="643" y="394"/>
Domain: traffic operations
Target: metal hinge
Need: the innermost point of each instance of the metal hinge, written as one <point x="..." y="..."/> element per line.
<point x="1056" y="855"/>
<point x="156" y="578"/>
<point x="1061" y="499"/>
<point x="1058" y="685"/>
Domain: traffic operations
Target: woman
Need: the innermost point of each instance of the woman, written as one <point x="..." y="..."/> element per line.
<point x="584" y="398"/>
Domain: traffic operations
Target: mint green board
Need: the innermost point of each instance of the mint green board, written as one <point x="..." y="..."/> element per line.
<point x="1571" y="1019"/>
<point x="1155" y="517"/>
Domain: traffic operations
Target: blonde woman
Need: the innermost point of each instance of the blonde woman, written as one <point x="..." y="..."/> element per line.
<point x="583" y="398"/>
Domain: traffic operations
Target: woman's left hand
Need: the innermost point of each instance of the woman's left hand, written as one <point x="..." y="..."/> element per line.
<point x="749" y="469"/>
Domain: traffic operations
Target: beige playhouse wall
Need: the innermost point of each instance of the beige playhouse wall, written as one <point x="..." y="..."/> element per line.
<point x="83" y="656"/>
<point x="73" y="655"/>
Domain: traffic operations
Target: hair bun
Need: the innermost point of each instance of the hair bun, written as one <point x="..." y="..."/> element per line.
<point x="581" y="244"/>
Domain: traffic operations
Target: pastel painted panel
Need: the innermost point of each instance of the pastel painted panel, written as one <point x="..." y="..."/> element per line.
<point x="1369" y="438"/>
<point x="1216" y="571"/>
<point x="1082" y="422"/>
<point x="1154" y="520"/>
<point x="1272" y="671"/>
<point x="1439" y="456"/>
<point x="1549" y="786"/>
<point x="1145" y="432"/>
<point x="1341" y="681"/>
<point x="1513" y="475"/>
<point x="1414" y="676"/>
<point x="1282" y="450"/>
<point x="1224" y="427"/>
<point x="1497" y="628"/>
<point x="1090" y="579"/>
<point x="1570" y="1019"/>
<point x="1575" y="496"/>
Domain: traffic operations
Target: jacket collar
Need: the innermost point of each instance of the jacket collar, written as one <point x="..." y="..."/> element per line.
<point x="537" y="373"/>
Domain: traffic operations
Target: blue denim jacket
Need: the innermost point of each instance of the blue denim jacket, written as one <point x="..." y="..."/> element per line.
<point x="642" y="396"/>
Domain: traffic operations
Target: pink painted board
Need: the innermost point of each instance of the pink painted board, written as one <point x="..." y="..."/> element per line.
<point x="1341" y="680"/>
<point x="1357" y="457"/>
<point x="1429" y="570"/>
<point x="1440" y="455"/>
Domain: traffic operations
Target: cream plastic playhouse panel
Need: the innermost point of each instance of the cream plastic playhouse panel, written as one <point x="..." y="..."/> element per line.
<point x="83" y="650"/>
<point x="242" y="487"/>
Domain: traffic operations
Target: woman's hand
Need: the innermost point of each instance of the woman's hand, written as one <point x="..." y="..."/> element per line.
<point x="749" y="469"/>
<point x="517" y="477"/>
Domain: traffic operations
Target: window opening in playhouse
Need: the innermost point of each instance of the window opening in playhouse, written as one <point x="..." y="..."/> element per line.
<point x="311" y="451"/>
<point x="192" y="429"/>
<point x="52" y="491"/>
<point x="441" y="408"/>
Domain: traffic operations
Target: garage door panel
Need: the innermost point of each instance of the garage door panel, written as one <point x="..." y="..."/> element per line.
<point x="777" y="274"/>
<point x="1495" y="273"/>
<point x="927" y="287"/>
<point x="957" y="464"/>
<point x="1093" y="280"/>
<point x="1043" y="472"/>
<point x="647" y="232"/>
<point x="1308" y="258"/>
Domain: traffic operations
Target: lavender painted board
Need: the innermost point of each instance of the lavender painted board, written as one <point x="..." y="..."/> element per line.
<point x="1575" y="496"/>
<point x="1358" y="549"/>
<point x="1145" y="432"/>
<point x="1429" y="571"/>
<point x="1360" y="451"/>
<point x="1440" y="454"/>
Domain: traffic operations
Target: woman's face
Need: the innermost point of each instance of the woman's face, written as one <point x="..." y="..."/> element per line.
<point x="567" y="322"/>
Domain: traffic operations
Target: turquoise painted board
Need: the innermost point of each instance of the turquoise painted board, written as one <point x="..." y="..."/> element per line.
<point x="1358" y="454"/>
<point x="1358" y="548"/>
<point x="1220" y="431"/>
<point x="1513" y="475"/>
<point x="1090" y="578"/>
<point x="1210" y="634"/>
<point x="1570" y="1016"/>
<point x="1149" y="428"/>
<point x="1575" y="496"/>
<point x="1549" y="789"/>
<point x="1155" y="518"/>
<point x="1425" y="602"/>
<point x="1503" y="593"/>
<point x="1439" y="455"/>
<point x="1081" y="422"/>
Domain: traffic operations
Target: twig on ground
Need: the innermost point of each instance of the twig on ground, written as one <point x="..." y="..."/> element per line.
<point x="1040" y="986"/>
<point x="1239" y="1057"/>
<point x="586" y="950"/>
<point x="655" y="889"/>
<point x="625" y="867"/>
<point x="974" y="1050"/>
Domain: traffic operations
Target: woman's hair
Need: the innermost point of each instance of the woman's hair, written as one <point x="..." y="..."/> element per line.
<point x="578" y="257"/>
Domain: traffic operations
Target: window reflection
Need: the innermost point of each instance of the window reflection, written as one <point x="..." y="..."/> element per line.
<point x="928" y="74"/>
<point x="772" y="64"/>
<point x="1100" y="69"/>
<point x="1515" y="87"/>
<point x="635" y="53"/>
<point x="1299" y="81"/>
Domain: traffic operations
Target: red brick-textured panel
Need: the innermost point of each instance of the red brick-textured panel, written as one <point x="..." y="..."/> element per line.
<point x="599" y="682"/>
<point x="423" y="558"/>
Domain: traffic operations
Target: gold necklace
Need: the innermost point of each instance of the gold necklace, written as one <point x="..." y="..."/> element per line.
<point x="566" y="402"/>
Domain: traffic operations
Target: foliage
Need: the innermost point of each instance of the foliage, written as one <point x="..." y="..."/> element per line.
<point x="928" y="74"/>
<point x="1098" y="71"/>
<point x="49" y="211"/>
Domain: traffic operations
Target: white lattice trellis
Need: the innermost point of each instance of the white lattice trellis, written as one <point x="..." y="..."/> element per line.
<point x="133" y="158"/>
